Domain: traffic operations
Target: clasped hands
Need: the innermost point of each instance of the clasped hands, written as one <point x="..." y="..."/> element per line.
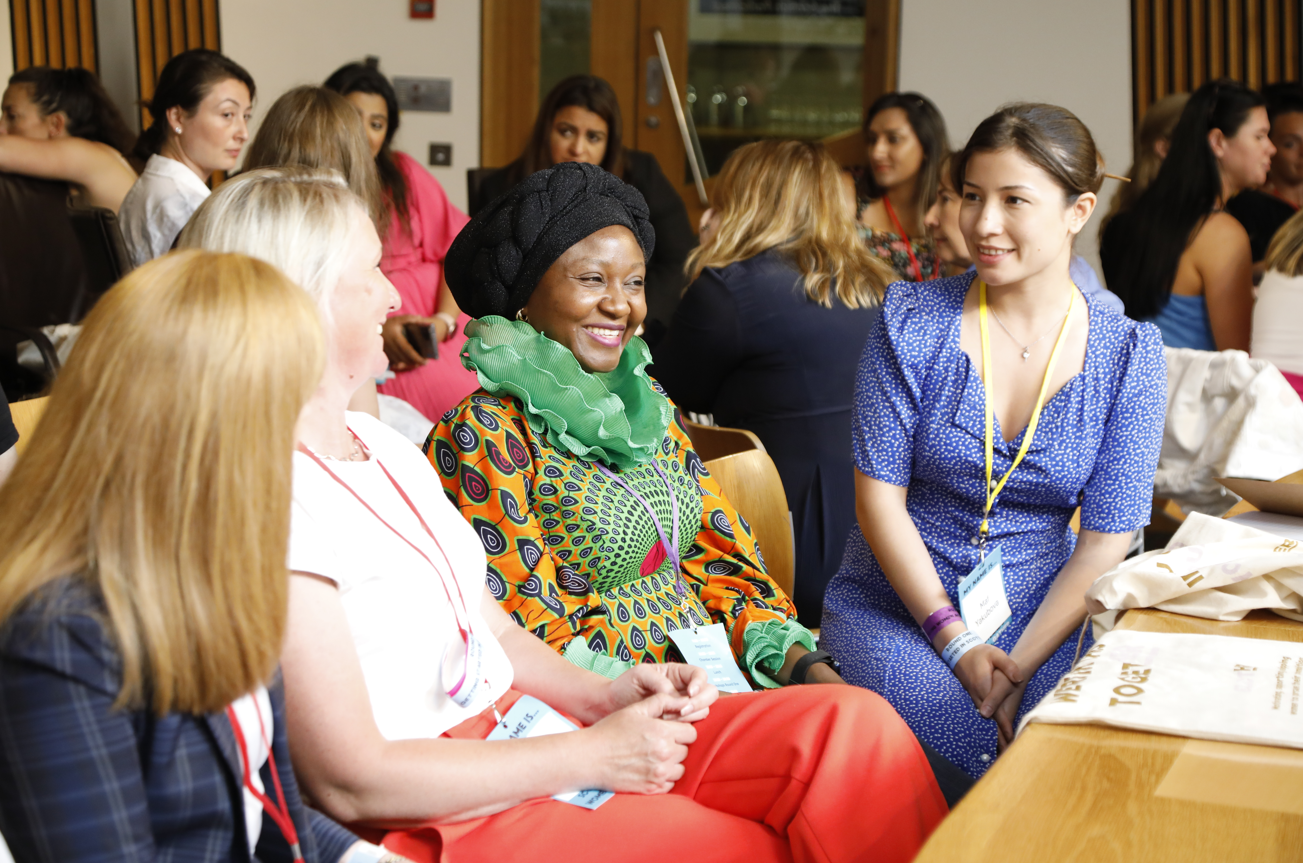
<point x="996" y="684"/>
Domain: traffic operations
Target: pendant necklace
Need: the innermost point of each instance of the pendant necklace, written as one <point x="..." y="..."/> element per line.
<point x="1027" y="348"/>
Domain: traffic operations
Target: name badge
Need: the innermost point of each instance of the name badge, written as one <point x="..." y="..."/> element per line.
<point x="707" y="647"/>
<point x="530" y="717"/>
<point x="463" y="670"/>
<point x="983" y="603"/>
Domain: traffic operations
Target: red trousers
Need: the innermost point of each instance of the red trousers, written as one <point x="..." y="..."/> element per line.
<point x="805" y="773"/>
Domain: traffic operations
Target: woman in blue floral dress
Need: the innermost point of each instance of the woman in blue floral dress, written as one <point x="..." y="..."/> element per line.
<point x="1028" y="177"/>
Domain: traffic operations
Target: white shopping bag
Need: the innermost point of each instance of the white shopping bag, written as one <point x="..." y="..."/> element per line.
<point x="1213" y="687"/>
<point x="1212" y="568"/>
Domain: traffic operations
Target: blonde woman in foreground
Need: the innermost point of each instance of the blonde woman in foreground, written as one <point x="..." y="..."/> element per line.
<point x="143" y="586"/>
<point x="769" y="333"/>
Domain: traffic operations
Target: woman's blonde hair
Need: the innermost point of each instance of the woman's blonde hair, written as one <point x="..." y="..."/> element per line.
<point x="1158" y="124"/>
<point x="789" y="195"/>
<point x="160" y="475"/>
<point x="313" y="127"/>
<point x="296" y="219"/>
<point x="1285" y="253"/>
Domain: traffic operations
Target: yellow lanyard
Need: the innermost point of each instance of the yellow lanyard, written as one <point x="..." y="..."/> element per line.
<point x="989" y="381"/>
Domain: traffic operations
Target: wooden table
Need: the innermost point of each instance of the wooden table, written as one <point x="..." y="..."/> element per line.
<point x="1086" y="793"/>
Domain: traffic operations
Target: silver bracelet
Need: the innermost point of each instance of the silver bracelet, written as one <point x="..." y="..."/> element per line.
<point x="448" y="321"/>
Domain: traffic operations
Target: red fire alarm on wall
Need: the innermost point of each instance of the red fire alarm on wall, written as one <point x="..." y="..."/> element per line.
<point x="422" y="8"/>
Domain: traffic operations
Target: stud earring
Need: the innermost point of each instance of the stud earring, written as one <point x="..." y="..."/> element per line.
<point x="178" y="130"/>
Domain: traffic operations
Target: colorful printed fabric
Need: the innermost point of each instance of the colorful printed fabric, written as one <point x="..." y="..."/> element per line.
<point x="572" y="553"/>
<point x="893" y="249"/>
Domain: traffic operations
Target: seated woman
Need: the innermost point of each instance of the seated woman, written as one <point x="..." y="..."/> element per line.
<point x="143" y="587"/>
<point x="988" y="408"/>
<point x="398" y="661"/>
<point x="422" y="225"/>
<point x="580" y="122"/>
<point x="1176" y="257"/>
<point x="770" y="332"/>
<point x="313" y="127"/>
<point x="942" y="223"/>
<point x="1278" y="313"/>
<point x="59" y="124"/>
<point x="200" y="114"/>
<point x="906" y="140"/>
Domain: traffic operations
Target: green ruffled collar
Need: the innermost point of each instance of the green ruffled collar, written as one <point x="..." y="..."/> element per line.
<point x="616" y="417"/>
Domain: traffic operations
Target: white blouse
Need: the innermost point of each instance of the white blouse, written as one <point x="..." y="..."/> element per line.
<point x="158" y="206"/>
<point x="1278" y="322"/>
<point x="396" y="605"/>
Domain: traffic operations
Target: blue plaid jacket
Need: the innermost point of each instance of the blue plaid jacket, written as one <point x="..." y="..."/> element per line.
<point x="80" y="781"/>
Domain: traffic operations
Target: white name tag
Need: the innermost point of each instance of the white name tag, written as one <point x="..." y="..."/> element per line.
<point x="982" y="601"/>
<point x="707" y="647"/>
<point x="530" y="717"/>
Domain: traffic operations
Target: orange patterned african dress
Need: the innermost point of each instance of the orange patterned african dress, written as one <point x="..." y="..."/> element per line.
<point x="572" y="552"/>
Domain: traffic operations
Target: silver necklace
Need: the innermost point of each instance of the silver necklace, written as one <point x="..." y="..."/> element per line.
<point x="1027" y="348"/>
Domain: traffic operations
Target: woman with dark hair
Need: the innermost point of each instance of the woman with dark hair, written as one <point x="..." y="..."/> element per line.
<point x="422" y="225"/>
<point x="200" y="109"/>
<point x="59" y="124"/>
<point x="906" y="140"/>
<point x="989" y="407"/>
<point x="1175" y="257"/>
<point x="580" y="122"/>
<point x="1262" y="211"/>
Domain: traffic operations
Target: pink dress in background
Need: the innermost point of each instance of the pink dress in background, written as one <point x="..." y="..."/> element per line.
<point x="414" y="263"/>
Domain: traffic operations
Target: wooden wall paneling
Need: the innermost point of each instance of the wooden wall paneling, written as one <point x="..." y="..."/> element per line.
<point x="1180" y="48"/>
<point x="509" y="69"/>
<point x="1140" y="68"/>
<point x="1235" y="39"/>
<point x="145" y="69"/>
<point x="1198" y="52"/>
<point x="176" y="27"/>
<point x="1216" y="43"/>
<point x="1292" y="36"/>
<point x="1271" y="29"/>
<point x="1253" y="44"/>
<point x="53" y="34"/>
<point x="86" y="34"/>
<point x="194" y="24"/>
<point x="613" y="55"/>
<point x="1162" y="85"/>
<point x="212" y="33"/>
<point x="21" y="28"/>
<point x="881" y="48"/>
<point x="68" y="24"/>
<point x="158" y="35"/>
<point x="36" y="18"/>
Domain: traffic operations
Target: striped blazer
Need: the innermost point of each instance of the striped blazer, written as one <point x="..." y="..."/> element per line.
<point x="80" y="781"/>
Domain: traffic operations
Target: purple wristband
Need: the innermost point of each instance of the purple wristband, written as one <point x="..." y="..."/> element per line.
<point x="939" y="620"/>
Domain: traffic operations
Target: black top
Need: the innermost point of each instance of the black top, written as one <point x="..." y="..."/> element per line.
<point x="1261" y="214"/>
<point x="669" y="218"/>
<point x="8" y="434"/>
<point x="749" y="346"/>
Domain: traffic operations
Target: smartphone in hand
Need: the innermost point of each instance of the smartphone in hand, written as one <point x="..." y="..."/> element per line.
<point x="423" y="338"/>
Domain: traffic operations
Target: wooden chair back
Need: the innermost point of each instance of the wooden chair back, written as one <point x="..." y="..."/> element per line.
<point x="712" y="442"/>
<point x="26" y="415"/>
<point x="752" y="484"/>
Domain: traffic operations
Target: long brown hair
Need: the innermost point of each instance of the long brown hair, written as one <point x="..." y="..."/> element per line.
<point x="160" y="474"/>
<point x="789" y="195"/>
<point x="585" y="91"/>
<point x="313" y="127"/>
<point x="1159" y="122"/>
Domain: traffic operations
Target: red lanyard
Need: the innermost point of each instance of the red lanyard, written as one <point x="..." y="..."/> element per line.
<point x="465" y="609"/>
<point x="909" y="247"/>
<point x="282" y="815"/>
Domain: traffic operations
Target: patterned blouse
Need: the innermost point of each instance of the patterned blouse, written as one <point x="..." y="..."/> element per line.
<point x="572" y="553"/>
<point x="893" y="249"/>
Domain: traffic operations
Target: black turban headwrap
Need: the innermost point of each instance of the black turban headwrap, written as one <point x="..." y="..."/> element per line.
<point x="498" y="258"/>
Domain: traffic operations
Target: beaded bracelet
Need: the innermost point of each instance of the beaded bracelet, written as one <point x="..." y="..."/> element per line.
<point x="958" y="646"/>
<point x="939" y="620"/>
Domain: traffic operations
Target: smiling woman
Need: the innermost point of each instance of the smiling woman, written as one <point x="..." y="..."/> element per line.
<point x="1011" y="399"/>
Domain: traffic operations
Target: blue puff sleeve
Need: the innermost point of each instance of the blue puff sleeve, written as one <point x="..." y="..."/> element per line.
<point x="1119" y="494"/>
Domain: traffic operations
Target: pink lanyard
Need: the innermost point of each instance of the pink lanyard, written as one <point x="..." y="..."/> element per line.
<point x="909" y="247"/>
<point x="280" y="815"/>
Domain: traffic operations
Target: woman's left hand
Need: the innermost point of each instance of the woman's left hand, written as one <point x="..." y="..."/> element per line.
<point x="1006" y="713"/>
<point x="695" y="693"/>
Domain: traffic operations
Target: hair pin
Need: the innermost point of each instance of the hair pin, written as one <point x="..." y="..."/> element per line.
<point x="1119" y="179"/>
